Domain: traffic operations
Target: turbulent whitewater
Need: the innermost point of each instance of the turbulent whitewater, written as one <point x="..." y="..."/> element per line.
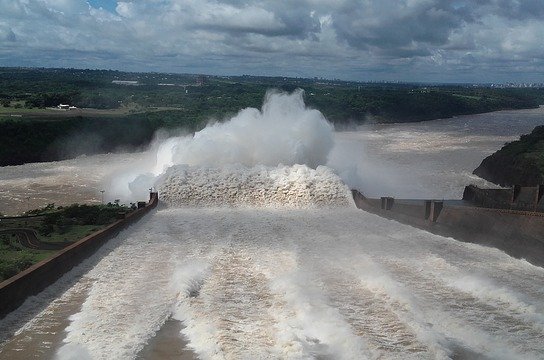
<point x="262" y="283"/>
<point x="295" y="186"/>
<point x="258" y="260"/>
<point x="284" y="132"/>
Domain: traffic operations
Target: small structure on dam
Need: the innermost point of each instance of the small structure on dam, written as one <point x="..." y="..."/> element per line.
<point x="509" y="219"/>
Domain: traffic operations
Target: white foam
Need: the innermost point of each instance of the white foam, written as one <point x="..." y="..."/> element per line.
<point x="283" y="132"/>
<point x="294" y="186"/>
<point x="302" y="284"/>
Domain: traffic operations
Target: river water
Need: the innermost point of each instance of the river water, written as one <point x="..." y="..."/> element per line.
<point x="299" y="283"/>
<point x="432" y="159"/>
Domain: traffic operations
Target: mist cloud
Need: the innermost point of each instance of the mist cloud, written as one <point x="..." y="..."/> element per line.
<point x="283" y="132"/>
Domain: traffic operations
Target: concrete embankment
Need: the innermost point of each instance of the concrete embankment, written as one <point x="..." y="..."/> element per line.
<point x="518" y="233"/>
<point x="15" y="290"/>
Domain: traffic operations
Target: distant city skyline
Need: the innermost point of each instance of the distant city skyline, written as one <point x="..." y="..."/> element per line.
<point x="449" y="41"/>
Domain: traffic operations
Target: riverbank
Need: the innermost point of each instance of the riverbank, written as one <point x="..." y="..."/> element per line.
<point x="30" y="140"/>
<point x="29" y="132"/>
<point x="519" y="162"/>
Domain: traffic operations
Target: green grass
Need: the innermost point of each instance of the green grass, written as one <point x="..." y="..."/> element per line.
<point x="54" y="226"/>
<point x="14" y="258"/>
<point x="18" y="223"/>
<point x="12" y="110"/>
<point x="51" y="114"/>
<point x="71" y="234"/>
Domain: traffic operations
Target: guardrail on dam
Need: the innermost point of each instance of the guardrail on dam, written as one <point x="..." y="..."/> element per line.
<point x="15" y="290"/>
<point x="518" y="233"/>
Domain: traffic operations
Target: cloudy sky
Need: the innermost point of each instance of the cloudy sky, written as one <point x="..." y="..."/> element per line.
<point x="406" y="40"/>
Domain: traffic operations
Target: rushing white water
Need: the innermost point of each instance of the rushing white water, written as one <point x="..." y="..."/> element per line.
<point x="257" y="282"/>
<point x="282" y="186"/>
<point x="283" y="132"/>
<point x="306" y="283"/>
<point x="289" y="270"/>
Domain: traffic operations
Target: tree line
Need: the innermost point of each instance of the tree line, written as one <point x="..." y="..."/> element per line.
<point x="190" y="101"/>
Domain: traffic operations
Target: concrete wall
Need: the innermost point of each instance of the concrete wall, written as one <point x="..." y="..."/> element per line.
<point x="490" y="198"/>
<point x="518" y="233"/>
<point x="540" y="198"/>
<point x="411" y="209"/>
<point x="15" y="290"/>
<point x="527" y="198"/>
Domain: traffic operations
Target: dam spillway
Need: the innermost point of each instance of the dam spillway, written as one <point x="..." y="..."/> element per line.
<point x="292" y="282"/>
<point x="296" y="283"/>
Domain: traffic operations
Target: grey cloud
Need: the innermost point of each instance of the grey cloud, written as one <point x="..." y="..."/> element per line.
<point x="12" y="9"/>
<point x="520" y="9"/>
<point x="235" y="18"/>
<point x="6" y="34"/>
<point x="344" y="38"/>
<point x="392" y="25"/>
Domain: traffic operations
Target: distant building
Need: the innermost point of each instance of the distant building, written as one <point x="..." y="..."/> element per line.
<point x="126" y="82"/>
<point x="201" y="80"/>
<point x="66" y="107"/>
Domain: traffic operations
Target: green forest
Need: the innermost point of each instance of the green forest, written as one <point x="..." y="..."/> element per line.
<point x="121" y="110"/>
<point x="519" y="162"/>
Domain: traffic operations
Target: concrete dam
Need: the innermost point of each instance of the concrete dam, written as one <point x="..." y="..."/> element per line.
<point x="297" y="272"/>
<point x="244" y="258"/>
<point x="509" y="219"/>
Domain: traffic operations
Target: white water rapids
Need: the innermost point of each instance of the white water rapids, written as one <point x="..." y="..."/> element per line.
<point x="274" y="262"/>
<point x="308" y="283"/>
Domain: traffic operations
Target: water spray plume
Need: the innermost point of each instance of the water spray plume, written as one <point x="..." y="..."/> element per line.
<point x="283" y="133"/>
